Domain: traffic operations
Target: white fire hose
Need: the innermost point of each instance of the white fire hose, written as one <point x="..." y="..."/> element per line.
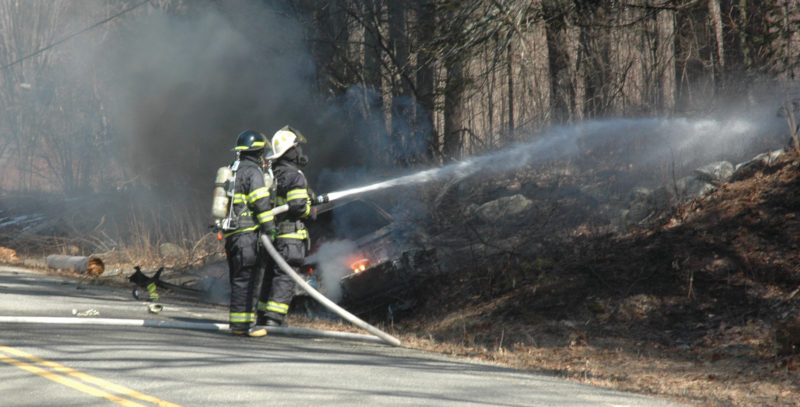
<point x="391" y="340"/>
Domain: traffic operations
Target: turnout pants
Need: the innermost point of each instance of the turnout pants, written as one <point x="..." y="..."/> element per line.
<point x="244" y="265"/>
<point x="277" y="288"/>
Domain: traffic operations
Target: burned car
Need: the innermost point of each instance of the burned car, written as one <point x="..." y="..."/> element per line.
<point x="364" y="259"/>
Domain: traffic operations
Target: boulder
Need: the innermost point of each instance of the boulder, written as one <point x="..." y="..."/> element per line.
<point x="749" y="168"/>
<point x="691" y="187"/>
<point x="502" y="208"/>
<point x="717" y="172"/>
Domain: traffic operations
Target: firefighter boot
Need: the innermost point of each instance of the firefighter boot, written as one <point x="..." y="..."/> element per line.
<point x="253" y="333"/>
<point x="262" y="320"/>
<point x="272" y="322"/>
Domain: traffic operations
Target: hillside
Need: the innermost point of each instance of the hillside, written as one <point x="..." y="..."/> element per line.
<point x="700" y="303"/>
<point x="701" y="306"/>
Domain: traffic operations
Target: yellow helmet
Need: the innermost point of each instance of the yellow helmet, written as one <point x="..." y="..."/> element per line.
<point x="283" y="140"/>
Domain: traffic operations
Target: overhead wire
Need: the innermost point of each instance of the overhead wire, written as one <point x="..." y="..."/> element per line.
<point x="75" y="34"/>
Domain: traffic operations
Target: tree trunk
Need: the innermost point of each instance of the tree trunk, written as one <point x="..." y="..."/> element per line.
<point x="423" y="122"/>
<point x="572" y="35"/>
<point x="510" y="78"/>
<point x="402" y="113"/>
<point x="743" y="45"/>
<point x="627" y="61"/>
<point x="716" y="22"/>
<point x="665" y="57"/>
<point x="453" y="111"/>
<point x="372" y="89"/>
<point x="535" y="72"/>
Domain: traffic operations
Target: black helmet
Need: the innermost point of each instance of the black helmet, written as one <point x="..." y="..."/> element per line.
<point x="250" y="140"/>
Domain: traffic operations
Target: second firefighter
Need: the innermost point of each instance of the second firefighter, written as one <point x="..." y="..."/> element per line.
<point x="291" y="239"/>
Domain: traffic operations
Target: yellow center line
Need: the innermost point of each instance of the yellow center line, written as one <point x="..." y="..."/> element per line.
<point x="76" y="384"/>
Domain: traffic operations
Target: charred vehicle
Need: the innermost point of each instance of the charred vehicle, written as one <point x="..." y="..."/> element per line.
<point x="364" y="259"/>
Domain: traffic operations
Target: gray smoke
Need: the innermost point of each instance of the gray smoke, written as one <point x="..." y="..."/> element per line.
<point x="183" y="87"/>
<point x="332" y="261"/>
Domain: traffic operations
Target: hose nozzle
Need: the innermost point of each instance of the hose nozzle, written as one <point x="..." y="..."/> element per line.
<point x="321" y="199"/>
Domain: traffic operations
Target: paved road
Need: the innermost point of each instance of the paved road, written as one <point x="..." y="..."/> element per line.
<point x="52" y="355"/>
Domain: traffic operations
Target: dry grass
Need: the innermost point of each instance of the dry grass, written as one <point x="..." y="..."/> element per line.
<point x="684" y="376"/>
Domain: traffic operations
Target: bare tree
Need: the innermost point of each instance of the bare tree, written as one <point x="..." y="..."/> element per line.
<point x="425" y="80"/>
<point x="665" y="58"/>
<point x="716" y="23"/>
<point x="27" y="29"/>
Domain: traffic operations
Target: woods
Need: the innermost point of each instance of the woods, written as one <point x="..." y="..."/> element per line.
<point x="402" y="83"/>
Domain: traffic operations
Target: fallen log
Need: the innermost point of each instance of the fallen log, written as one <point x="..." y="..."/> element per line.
<point x="89" y="265"/>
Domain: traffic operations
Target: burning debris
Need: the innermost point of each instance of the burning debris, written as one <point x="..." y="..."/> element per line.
<point x="359" y="265"/>
<point x="374" y="266"/>
<point x="388" y="285"/>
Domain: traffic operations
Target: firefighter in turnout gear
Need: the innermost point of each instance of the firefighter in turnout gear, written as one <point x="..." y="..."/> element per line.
<point x="252" y="210"/>
<point x="291" y="239"/>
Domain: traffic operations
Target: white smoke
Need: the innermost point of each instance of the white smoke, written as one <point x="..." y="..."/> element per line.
<point x="333" y="263"/>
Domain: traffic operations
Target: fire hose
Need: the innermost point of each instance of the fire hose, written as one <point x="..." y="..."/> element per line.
<point x="317" y="295"/>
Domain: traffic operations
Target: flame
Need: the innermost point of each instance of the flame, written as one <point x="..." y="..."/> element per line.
<point x="359" y="265"/>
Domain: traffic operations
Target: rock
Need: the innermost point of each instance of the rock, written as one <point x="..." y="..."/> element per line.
<point x="690" y="187"/>
<point x="720" y="171"/>
<point x="748" y="169"/>
<point x="502" y="208"/>
<point x="642" y="202"/>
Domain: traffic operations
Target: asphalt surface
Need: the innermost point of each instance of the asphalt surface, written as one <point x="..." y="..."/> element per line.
<point x="68" y="342"/>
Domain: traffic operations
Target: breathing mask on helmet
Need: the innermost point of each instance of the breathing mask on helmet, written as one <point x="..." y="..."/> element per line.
<point x="295" y="155"/>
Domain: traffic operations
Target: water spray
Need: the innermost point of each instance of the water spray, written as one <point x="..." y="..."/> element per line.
<point x="669" y="138"/>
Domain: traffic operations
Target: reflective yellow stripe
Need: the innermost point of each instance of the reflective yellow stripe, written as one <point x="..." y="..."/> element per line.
<point x="251" y="228"/>
<point x="261" y="306"/>
<point x="279" y="201"/>
<point x="300" y="235"/>
<point x="307" y="211"/>
<point x="278" y="307"/>
<point x="151" y="288"/>
<point x="297" y="194"/>
<point x="239" y="317"/>
<point x="255" y="145"/>
<point x="257" y="194"/>
<point x="265" y="216"/>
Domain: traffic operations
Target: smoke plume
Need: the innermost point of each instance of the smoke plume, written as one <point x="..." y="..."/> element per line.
<point x="332" y="261"/>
